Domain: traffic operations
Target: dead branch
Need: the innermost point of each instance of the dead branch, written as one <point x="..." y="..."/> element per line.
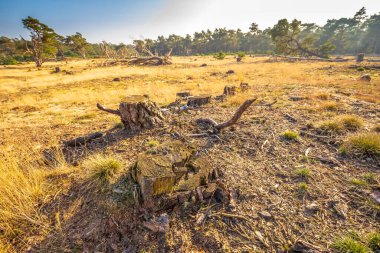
<point x="83" y="139"/>
<point x="100" y="107"/>
<point x="230" y="122"/>
<point x="237" y="114"/>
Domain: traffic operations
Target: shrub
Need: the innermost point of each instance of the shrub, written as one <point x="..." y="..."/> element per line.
<point x="360" y="69"/>
<point x="241" y="54"/>
<point x="366" y="144"/>
<point x="220" y="56"/>
<point x="102" y="168"/>
<point x="9" y="61"/>
<point x="290" y="135"/>
<point x="350" y="245"/>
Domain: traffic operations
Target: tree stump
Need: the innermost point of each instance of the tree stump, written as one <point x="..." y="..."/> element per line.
<point x="229" y="90"/>
<point x="184" y="94"/>
<point x="360" y="57"/>
<point x="137" y="113"/>
<point x="244" y="87"/>
<point x="199" y="100"/>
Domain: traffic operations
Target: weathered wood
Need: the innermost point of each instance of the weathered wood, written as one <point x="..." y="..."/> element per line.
<point x="231" y="121"/>
<point x="244" y="87"/>
<point x="137" y="113"/>
<point x="229" y="90"/>
<point x="82" y="140"/>
<point x="199" y="100"/>
<point x="183" y="94"/>
<point x="237" y="114"/>
<point x="100" y="107"/>
<point x="360" y="58"/>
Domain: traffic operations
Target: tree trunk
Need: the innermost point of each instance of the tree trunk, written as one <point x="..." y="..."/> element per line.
<point x="137" y="113"/>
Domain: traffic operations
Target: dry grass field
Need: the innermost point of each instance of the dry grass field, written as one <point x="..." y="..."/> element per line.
<point x="311" y="161"/>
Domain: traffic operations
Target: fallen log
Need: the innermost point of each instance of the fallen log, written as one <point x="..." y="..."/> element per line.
<point x="83" y="139"/>
<point x="155" y="60"/>
<point x="198" y="100"/>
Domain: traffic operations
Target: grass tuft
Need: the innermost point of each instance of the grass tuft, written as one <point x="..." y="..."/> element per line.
<point x="351" y="122"/>
<point x="330" y="106"/>
<point x="152" y="143"/>
<point x="374" y="241"/>
<point x="302" y="189"/>
<point x="23" y="189"/>
<point x="323" y="96"/>
<point x="341" y="124"/>
<point x="303" y="173"/>
<point x="102" y="168"/>
<point x="290" y="135"/>
<point x="358" y="182"/>
<point x="350" y="245"/>
<point x="365" y="144"/>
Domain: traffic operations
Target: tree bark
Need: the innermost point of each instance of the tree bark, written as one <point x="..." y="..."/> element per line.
<point x="137" y="113"/>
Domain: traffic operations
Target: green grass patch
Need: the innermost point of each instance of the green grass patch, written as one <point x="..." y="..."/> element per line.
<point x="350" y="245"/>
<point x="152" y="143"/>
<point x="290" y="135"/>
<point x="303" y="189"/>
<point x="303" y="173"/>
<point x="374" y="241"/>
<point x="358" y="182"/>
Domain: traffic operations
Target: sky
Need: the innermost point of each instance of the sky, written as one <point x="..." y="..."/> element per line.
<point x="125" y="20"/>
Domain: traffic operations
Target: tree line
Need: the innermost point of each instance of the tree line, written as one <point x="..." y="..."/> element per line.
<point x="357" y="34"/>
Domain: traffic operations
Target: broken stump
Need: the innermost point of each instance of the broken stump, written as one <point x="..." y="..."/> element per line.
<point x="244" y="87"/>
<point x="365" y="77"/>
<point x="229" y="90"/>
<point x="169" y="168"/>
<point x="360" y="57"/>
<point x="183" y="94"/>
<point x="199" y="100"/>
<point x="137" y="113"/>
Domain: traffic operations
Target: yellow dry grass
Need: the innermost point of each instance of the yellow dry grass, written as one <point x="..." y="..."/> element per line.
<point x="39" y="108"/>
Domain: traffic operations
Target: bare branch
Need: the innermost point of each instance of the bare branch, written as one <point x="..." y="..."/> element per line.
<point x="100" y="107"/>
<point x="237" y="114"/>
<point x="230" y="122"/>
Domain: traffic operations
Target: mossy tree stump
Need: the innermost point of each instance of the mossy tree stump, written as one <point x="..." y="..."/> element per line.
<point x="137" y="113"/>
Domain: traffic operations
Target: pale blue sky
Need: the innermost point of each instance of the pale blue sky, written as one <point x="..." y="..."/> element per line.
<point x="124" y="20"/>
